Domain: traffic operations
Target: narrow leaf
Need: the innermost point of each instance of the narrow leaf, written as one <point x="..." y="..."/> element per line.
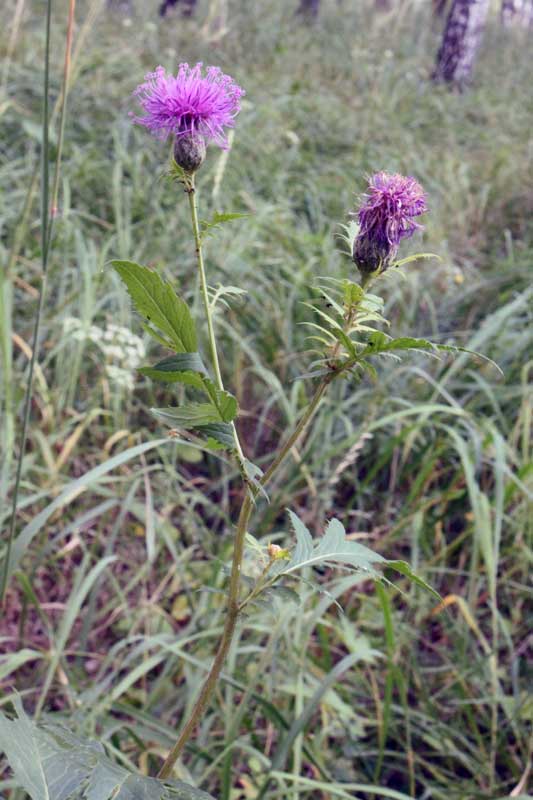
<point x="404" y="569"/>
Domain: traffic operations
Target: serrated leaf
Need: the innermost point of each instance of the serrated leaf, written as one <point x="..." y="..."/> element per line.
<point x="353" y="293"/>
<point x="345" y="340"/>
<point x="286" y="594"/>
<point x="404" y="569"/>
<point x="219" y="435"/>
<point x="254" y="475"/>
<point x="368" y="368"/>
<point x="223" y="401"/>
<point x="334" y="547"/>
<point x="217" y="220"/>
<point x="186" y="368"/>
<point x="379" y="342"/>
<point x="155" y="335"/>
<point x="189" y="415"/>
<point x="50" y="763"/>
<point x="155" y="300"/>
<point x="415" y="257"/>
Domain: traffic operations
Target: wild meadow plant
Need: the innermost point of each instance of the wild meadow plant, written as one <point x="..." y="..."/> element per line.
<point x="192" y="109"/>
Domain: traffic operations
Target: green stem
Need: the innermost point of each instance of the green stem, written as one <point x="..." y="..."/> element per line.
<point x="304" y="421"/>
<point x="244" y="517"/>
<point x="234" y="587"/>
<point x="224" y="645"/>
<point x="45" y="242"/>
<point x="191" y="191"/>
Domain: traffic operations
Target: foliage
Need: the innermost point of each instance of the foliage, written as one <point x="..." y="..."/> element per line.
<point x="52" y="764"/>
<point x="161" y="306"/>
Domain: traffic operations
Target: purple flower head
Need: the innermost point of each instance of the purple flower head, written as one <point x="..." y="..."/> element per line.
<point x="385" y="218"/>
<point x="189" y="103"/>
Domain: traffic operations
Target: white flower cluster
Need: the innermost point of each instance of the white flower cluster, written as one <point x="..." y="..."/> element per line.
<point x="123" y="350"/>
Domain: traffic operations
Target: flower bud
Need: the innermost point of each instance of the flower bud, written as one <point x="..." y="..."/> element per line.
<point x="276" y="552"/>
<point x="370" y="256"/>
<point x="386" y="216"/>
<point x="189" y="151"/>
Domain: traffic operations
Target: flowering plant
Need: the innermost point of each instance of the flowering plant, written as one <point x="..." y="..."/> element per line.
<point x="196" y="109"/>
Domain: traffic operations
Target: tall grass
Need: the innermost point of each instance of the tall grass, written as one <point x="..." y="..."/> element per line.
<point x="424" y="701"/>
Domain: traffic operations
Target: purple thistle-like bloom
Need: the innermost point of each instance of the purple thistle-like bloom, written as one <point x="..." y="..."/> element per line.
<point x="189" y="104"/>
<point x="385" y="218"/>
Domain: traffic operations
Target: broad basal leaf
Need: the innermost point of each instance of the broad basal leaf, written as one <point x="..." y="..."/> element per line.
<point x="50" y="763"/>
<point x="157" y="302"/>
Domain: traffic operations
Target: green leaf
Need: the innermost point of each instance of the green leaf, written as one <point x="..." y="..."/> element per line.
<point x="404" y="569"/>
<point x="185" y="368"/>
<point x="379" y="342"/>
<point x="219" y="435"/>
<point x="203" y="419"/>
<point x="332" y="548"/>
<point x="415" y="257"/>
<point x="156" y="336"/>
<point x="353" y="293"/>
<point x="224" y="402"/>
<point x="285" y="594"/>
<point x="155" y="300"/>
<point x="345" y="340"/>
<point x="217" y="220"/>
<point x="189" y="415"/>
<point x="188" y="368"/>
<point x="50" y="763"/>
<point x="369" y="368"/>
<point x="254" y="475"/>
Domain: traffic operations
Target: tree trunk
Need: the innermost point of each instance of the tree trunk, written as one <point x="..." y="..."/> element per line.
<point x="460" y="41"/>
<point x="517" y="12"/>
<point x="309" y="8"/>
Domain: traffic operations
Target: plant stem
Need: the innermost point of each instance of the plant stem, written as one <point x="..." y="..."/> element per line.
<point x="191" y="191"/>
<point x="224" y="645"/>
<point x="234" y="587"/>
<point x="304" y="421"/>
<point x="45" y="242"/>
<point x="244" y="517"/>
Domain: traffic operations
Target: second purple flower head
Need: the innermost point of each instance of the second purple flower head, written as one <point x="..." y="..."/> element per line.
<point x="386" y="216"/>
<point x="193" y="107"/>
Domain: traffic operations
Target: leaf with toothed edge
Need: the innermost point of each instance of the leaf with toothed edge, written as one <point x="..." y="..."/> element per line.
<point x="334" y="548"/>
<point x="51" y="763"/>
<point x="156" y="301"/>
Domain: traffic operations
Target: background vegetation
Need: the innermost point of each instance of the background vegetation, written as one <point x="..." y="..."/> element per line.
<point x="430" y="463"/>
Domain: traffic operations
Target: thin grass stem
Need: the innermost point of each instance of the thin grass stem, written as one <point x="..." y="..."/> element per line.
<point x="47" y="219"/>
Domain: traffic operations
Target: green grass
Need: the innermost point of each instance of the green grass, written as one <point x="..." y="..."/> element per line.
<point x="422" y="702"/>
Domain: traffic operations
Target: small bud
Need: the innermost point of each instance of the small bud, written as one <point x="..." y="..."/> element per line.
<point x="189" y="151"/>
<point x="276" y="552"/>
